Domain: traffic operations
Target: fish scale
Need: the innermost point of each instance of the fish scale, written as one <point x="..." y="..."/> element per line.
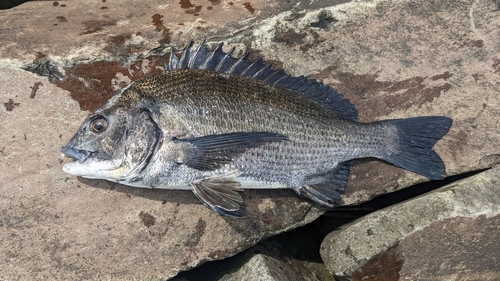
<point x="216" y="125"/>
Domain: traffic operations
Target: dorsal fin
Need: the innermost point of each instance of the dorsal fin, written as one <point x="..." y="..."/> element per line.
<point x="218" y="60"/>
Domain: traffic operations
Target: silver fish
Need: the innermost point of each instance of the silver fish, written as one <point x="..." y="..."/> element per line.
<point x="216" y="125"/>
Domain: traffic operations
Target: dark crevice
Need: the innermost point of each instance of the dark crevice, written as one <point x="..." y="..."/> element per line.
<point x="8" y="4"/>
<point x="392" y="198"/>
<point x="304" y="242"/>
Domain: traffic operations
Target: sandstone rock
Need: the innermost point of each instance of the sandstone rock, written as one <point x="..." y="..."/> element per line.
<point x="59" y="227"/>
<point x="448" y="234"/>
<point x="392" y="59"/>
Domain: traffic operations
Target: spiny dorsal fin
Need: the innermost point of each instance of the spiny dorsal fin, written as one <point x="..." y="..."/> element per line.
<point x="218" y="60"/>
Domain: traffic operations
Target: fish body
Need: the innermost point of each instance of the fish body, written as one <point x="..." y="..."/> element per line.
<point x="216" y="125"/>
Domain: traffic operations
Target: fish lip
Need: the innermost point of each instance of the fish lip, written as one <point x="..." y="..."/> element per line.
<point x="76" y="154"/>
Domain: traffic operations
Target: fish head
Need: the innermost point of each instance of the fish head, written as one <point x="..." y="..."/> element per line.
<point x="113" y="144"/>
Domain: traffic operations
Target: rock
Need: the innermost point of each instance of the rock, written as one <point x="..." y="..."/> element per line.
<point x="449" y="234"/>
<point x="392" y="59"/>
<point x="409" y="242"/>
<point x="59" y="227"/>
<point x="395" y="59"/>
<point x="265" y="268"/>
<point x="289" y="256"/>
<point x="259" y="267"/>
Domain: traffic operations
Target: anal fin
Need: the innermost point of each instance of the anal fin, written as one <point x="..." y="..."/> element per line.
<point x="327" y="192"/>
<point x="221" y="194"/>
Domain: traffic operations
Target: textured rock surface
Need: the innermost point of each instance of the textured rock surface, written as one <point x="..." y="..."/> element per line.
<point x="451" y="233"/>
<point x="265" y="268"/>
<point x="392" y="59"/>
<point x="290" y="256"/>
<point x="57" y="226"/>
<point x="60" y="227"/>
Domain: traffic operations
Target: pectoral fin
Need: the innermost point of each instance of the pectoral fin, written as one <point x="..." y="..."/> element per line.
<point x="212" y="152"/>
<point x="221" y="194"/>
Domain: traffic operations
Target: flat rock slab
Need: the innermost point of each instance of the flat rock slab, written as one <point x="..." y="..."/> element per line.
<point x="62" y="227"/>
<point x="392" y="59"/>
<point x="449" y="234"/>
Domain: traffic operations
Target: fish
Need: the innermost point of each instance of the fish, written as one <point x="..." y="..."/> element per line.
<point x="217" y="124"/>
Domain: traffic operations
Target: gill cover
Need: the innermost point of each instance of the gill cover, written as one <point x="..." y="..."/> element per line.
<point x="142" y="138"/>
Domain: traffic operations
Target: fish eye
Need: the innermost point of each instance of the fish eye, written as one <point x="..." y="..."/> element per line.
<point x="98" y="124"/>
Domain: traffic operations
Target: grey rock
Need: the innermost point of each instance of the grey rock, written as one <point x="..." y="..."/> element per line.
<point x="259" y="267"/>
<point x="264" y="268"/>
<point x="449" y="234"/>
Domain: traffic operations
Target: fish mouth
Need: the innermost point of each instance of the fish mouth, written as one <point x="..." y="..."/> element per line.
<point x="76" y="154"/>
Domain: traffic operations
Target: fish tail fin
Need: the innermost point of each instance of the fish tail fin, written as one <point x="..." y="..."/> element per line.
<point x="417" y="136"/>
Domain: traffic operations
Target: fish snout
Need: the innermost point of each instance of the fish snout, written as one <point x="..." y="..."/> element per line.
<point x="75" y="154"/>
